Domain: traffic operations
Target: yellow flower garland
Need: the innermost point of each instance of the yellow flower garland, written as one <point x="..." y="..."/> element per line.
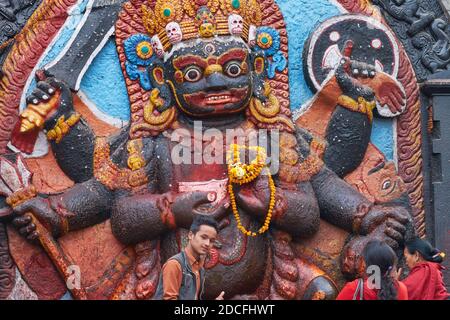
<point x="244" y="173"/>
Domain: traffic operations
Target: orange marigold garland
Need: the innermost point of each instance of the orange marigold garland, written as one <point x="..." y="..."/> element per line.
<point x="244" y="173"/>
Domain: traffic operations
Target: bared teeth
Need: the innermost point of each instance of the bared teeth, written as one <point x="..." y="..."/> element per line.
<point x="215" y="98"/>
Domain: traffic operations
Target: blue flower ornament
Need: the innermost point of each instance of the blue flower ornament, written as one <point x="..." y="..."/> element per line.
<point x="268" y="39"/>
<point x="139" y="54"/>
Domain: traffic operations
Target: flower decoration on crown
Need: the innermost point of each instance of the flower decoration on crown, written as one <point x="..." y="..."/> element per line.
<point x="139" y="54"/>
<point x="169" y="22"/>
<point x="268" y="39"/>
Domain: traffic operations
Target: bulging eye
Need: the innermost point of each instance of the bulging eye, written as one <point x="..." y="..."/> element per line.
<point x="192" y="74"/>
<point x="386" y="185"/>
<point x="233" y="69"/>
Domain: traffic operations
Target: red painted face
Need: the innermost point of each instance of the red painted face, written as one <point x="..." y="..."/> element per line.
<point x="353" y="263"/>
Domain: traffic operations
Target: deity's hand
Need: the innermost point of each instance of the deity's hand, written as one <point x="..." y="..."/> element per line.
<point x="351" y="76"/>
<point x="386" y="89"/>
<point x="50" y="99"/>
<point x="186" y="205"/>
<point x="254" y="198"/>
<point x="386" y="223"/>
<point x="42" y="211"/>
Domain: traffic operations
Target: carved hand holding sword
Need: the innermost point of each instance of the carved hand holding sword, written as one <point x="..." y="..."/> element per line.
<point x="15" y="179"/>
<point x="98" y="22"/>
<point x="16" y="186"/>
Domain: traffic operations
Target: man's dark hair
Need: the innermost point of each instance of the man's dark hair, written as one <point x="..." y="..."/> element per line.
<point x="200" y="220"/>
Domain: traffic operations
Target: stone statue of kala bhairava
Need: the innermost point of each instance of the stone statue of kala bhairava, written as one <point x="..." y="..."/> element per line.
<point x="224" y="63"/>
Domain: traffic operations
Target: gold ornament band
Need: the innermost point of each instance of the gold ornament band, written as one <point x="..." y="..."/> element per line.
<point x="135" y="159"/>
<point x="361" y="106"/>
<point x="110" y="175"/>
<point x="62" y="127"/>
<point x="20" y="196"/>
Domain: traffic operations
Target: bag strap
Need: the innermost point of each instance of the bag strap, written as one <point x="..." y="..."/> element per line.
<point x="360" y="290"/>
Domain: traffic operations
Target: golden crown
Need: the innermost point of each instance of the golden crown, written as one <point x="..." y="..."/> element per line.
<point x="173" y="21"/>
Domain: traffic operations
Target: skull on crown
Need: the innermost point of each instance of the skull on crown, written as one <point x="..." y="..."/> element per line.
<point x="252" y="36"/>
<point x="174" y="33"/>
<point x="235" y="24"/>
<point x="157" y="46"/>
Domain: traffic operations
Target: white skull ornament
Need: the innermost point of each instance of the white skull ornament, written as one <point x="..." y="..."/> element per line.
<point x="174" y="33"/>
<point x="235" y="24"/>
<point x="251" y="35"/>
<point x="157" y="46"/>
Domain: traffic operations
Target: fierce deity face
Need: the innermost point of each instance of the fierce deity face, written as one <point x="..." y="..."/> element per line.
<point x="210" y="78"/>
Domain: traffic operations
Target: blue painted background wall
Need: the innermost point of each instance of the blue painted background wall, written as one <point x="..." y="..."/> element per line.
<point x="104" y="85"/>
<point x="302" y="17"/>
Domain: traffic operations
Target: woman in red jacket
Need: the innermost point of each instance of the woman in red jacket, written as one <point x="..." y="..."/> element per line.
<point x="380" y="284"/>
<point x="424" y="281"/>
